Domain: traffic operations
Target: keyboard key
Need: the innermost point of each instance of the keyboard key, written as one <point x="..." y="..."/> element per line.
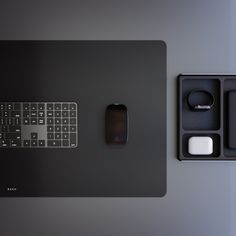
<point x="50" y="121"/>
<point x="41" y="143"/>
<point x="26" y="106"/>
<point x="57" y="106"/>
<point x="26" y="143"/>
<point x="15" y="128"/>
<point x="17" y="106"/>
<point x="65" y="106"/>
<point x="5" y="143"/>
<point x="50" y="106"/>
<point x="41" y="121"/>
<point x="65" y="128"/>
<point x="57" y="128"/>
<point x="65" y="121"/>
<point x="72" y="113"/>
<point x="4" y="128"/>
<point x="72" y="128"/>
<point x="26" y="121"/>
<point x="65" y="135"/>
<point x="41" y="106"/>
<point x="73" y="121"/>
<point x="54" y="143"/>
<point x="15" y="143"/>
<point x="15" y="114"/>
<point x="65" y="113"/>
<point x="33" y="121"/>
<point x="57" y="135"/>
<point x="50" y="113"/>
<point x="41" y="113"/>
<point x="33" y="114"/>
<point x="2" y="107"/>
<point x="65" y="143"/>
<point x="50" y="136"/>
<point x="9" y="121"/>
<point x="17" y="121"/>
<point x="34" y="135"/>
<point x="33" y="106"/>
<point x="72" y="139"/>
<point x="50" y="128"/>
<point x="12" y="136"/>
<point x="3" y="121"/>
<point x="26" y="114"/>
<point x="34" y="143"/>
<point x="57" y="113"/>
<point x="6" y="114"/>
<point x="73" y="106"/>
<point x="9" y="106"/>
<point x="57" y="121"/>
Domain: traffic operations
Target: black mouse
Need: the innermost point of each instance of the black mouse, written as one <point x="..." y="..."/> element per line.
<point x="116" y="125"/>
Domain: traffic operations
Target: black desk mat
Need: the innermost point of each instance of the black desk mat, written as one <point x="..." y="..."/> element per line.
<point x="94" y="74"/>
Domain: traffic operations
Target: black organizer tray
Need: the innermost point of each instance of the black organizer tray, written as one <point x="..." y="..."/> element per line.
<point x="217" y="123"/>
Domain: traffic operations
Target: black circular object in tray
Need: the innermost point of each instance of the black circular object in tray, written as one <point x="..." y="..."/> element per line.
<point x="200" y="100"/>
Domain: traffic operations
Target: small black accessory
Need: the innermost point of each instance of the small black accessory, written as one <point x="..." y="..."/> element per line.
<point x="200" y="100"/>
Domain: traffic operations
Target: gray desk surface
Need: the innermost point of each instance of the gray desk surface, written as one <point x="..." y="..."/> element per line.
<point x="200" y="37"/>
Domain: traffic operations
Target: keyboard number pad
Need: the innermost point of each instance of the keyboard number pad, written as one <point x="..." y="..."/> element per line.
<point x="62" y="124"/>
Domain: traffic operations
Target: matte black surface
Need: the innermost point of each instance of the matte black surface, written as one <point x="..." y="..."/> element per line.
<point x="94" y="74"/>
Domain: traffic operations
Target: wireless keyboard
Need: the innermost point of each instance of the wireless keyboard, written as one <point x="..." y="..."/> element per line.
<point x="38" y="124"/>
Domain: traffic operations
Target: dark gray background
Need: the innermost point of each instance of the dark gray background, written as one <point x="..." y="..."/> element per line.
<point x="200" y="37"/>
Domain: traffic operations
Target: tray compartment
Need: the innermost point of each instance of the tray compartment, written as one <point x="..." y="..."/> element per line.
<point x="216" y="146"/>
<point x="229" y="121"/>
<point x="201" y="120"/>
